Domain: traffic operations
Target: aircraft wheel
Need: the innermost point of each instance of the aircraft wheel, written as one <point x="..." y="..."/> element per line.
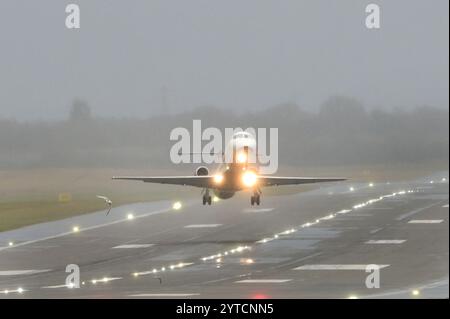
<point x="209" y="200"/>
<point x="204" y="200"/>
<point x="258" y="200"/>
<point x="252" y="200"/>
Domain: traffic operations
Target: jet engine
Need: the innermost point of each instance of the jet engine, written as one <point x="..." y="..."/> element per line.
<point x="202" y="171"/>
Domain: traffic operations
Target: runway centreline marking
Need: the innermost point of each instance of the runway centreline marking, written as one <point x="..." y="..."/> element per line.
<point x="22" y="272"/>
<point x="202" y="225"/>
<point x="262" y="281"/>
<point x="338" y="267"/>
<point x="133" y="246"/>
<point x="165" y="295"/>
<point x="385" y="241"/>
<point x="425" y="221"/>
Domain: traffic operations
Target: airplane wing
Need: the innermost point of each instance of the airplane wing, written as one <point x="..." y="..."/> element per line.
<point x="278" y="181"/>
<point x="198" y="181"/>
<point x="208" y="181"/>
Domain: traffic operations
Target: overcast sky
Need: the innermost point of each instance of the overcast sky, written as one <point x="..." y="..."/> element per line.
<point x="240" y="54"/>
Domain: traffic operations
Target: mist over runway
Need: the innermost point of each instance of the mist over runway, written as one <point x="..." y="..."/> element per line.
<point x="315" y="244"/>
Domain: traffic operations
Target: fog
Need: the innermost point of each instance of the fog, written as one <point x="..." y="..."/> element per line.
<point x="342" y="132"/>
<point x="146" y="58"/>
<point x="109" y="93"/>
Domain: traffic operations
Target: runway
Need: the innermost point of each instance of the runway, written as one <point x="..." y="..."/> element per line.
<point x="315" y="244"/>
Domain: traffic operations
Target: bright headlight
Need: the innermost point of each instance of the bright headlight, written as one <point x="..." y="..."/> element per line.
<point x="218" y="179"/>
<point x="241" y="157"/>
<point x="249" y="179"/>
<point x="177" y="205"/>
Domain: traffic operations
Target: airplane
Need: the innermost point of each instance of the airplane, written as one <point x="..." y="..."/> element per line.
<point x="236" y="176"/>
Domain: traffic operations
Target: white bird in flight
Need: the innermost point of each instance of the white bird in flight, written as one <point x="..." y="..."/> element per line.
<point x="107" y="201"/>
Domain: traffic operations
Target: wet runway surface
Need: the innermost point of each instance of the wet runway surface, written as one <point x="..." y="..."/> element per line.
<point x="315" y="244"/>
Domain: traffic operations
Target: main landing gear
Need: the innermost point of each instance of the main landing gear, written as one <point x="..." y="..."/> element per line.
<point x="256" y="198"/>
<point x="206" y="197"/>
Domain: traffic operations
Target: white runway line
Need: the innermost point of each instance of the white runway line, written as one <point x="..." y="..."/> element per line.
<point x="165" y="295"/>
<point x="337" y="267"/>
<point x="262" y="281"/>
<point x="376" y="230"/>
<point x="416" y="211"/>
<point x="406" y="293"/>
<point x="203" y="226"/>
<point x="386" y="241"/>
<point x="425" y="221"/>
<point x="257" y="210"/>
<point x="160" y="211"/>
<point x="22" y="272"/>
<point x="445" y="206"/>
<point x="133" y="246"/>
<point x="55" y="287"/>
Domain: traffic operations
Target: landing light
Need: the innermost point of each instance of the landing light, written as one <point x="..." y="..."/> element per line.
<point x="10" y="244"/>
<point x="248" y="261"/>
<point x="415" y="292"/>
<point x="176" y="205"/>
<point x="215" y="199"/>
<point x="76" y="229"/>
<point x="249" y="179"/>
<point x="218" y="179"/>
<point x="130" y="216"/>
<point x="241" y="157"/>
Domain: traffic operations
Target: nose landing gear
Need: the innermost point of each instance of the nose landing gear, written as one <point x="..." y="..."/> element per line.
<point x="256" y="197"/>
<point x="206" y="197"/>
